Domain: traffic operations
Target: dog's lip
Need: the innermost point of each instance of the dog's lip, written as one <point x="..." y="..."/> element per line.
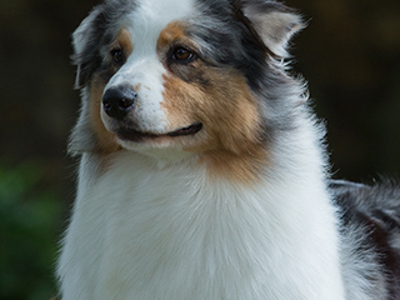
<point x="137" y="136"/>
<point x="189" y="130"/>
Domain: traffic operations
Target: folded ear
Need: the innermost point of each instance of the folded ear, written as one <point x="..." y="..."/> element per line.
<point x="86" y="40"/>
<point x="274" y="22"/>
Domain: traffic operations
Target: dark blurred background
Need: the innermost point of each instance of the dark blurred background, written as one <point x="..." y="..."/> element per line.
<point x="350" y="54"/>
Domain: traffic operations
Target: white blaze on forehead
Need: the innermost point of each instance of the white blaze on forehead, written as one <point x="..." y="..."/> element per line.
<point x="151" y="16"/>
<point x="143" y="67"/>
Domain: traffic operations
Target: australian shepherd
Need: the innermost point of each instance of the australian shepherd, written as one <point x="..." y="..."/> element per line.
<point x="203" y="173"/>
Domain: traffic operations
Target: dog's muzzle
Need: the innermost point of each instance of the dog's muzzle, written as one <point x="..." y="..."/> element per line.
<point x="118" y="101"/>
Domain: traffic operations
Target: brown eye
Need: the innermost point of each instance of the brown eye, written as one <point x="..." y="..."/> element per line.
<point x="118" y="57"/>
<point x="183" y="55"/>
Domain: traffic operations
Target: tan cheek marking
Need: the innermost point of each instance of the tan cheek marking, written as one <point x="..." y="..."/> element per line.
<point x="105" y="140"/>
<point x="239" y="131"/>
<point x="229" y="143"/>
<point x="178" y="102"/>
<point x="240" y="154"/>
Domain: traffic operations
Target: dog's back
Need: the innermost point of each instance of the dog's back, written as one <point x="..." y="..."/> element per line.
<point x="203" y="174"/>
<point x="370" y="217"/>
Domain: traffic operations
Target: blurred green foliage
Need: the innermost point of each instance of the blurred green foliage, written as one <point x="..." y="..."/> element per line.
<point x="29" y="215"/>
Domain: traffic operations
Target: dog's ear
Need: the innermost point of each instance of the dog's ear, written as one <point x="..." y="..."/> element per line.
<point x="87" y="39"/>
<point x="86" y="42"/>
<point x="274" y="22"/>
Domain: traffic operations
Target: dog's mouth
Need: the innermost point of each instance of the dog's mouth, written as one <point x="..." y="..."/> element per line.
<point x="138" y="136"/>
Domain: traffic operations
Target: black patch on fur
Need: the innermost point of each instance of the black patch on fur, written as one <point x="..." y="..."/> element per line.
<point x="377" y="210"/>
<point x="191" y="74"/>
<point x="232" y="42"/>
<point x="89" y="59"/>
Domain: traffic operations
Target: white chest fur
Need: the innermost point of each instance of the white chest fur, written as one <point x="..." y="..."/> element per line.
<point x="146" y="233"/>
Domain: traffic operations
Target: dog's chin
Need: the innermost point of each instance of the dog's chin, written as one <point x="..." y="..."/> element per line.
<point x="131" y="135"/>
<point x="165" y="148"/>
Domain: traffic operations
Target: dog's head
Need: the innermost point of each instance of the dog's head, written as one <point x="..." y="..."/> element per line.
<point x="183" y="77"/>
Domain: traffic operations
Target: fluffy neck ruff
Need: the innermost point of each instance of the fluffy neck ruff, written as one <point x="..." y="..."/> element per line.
<point x="141" y="230"/>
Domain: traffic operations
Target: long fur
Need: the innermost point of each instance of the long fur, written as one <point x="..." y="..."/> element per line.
<point x="243" y="207"/>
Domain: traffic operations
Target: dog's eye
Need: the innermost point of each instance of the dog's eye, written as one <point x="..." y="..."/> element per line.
<point x="183" y="55"/>
<point x="118" y="56"/>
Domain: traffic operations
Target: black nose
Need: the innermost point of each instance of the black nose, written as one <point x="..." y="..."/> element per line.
<point x="118" y="101"/>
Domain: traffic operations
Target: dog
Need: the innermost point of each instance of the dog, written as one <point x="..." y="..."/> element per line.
<point x="203" y="172"/>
